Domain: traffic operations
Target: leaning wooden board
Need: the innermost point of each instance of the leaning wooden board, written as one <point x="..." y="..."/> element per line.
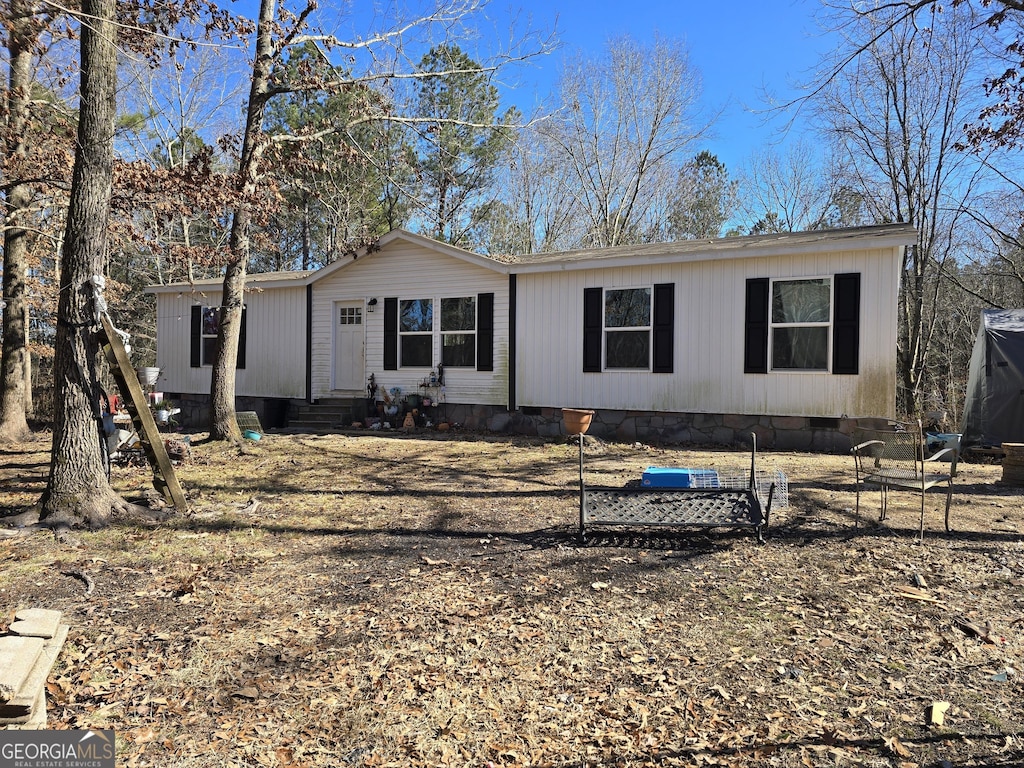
<point x="164" y="478"/>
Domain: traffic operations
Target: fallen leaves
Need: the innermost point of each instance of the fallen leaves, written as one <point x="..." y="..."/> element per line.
<point x="368" y="617"/>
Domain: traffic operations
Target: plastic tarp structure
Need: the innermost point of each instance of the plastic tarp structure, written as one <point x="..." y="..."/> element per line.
<point x="994" y="408"/>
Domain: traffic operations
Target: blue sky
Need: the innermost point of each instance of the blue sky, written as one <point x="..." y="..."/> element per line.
<point x="741" y="48"/>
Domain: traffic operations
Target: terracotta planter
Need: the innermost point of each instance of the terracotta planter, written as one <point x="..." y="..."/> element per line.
<point x="577" y="422"/>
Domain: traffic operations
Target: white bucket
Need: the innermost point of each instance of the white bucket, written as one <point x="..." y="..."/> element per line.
<point x="147" y="376"/>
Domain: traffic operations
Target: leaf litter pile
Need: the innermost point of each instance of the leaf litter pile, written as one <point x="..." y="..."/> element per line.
<point x="356" y="600"/>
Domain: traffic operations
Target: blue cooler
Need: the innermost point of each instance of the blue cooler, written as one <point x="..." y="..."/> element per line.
<point x="676" y="477"/>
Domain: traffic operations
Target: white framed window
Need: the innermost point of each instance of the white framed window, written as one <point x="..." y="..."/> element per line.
<point x="416" y="332"/>
<point x="458" y="332"/>
<point x="627" y="328"/>
<point x="204" y="326"/>
<point x="800" y="324"/>
<point x="209" y="329"/>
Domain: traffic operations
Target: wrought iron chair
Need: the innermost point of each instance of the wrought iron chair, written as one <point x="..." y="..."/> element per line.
<point x="896" y="458"/>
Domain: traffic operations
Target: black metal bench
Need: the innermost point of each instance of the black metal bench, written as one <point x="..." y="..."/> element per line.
<point x="641" y="506"/>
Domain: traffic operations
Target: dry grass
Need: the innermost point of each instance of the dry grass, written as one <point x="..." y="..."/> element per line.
<point x="422" y="601"/>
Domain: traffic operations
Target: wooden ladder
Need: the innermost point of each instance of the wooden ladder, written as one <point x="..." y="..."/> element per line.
<point x="164" y="479"/>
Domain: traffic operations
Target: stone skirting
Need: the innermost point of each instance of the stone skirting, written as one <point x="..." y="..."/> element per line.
<point x="787" y="433"/>
<point x="784" y="433"/>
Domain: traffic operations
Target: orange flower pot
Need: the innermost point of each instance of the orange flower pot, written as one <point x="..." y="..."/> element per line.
<point x="577" y="421"/>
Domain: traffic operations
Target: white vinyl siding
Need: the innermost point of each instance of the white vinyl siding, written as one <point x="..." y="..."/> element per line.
<point x="275" y="353"/>
<point x="709" y="331"/>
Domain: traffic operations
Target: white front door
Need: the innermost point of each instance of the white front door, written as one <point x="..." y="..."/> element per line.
<point x="349" y="362"/>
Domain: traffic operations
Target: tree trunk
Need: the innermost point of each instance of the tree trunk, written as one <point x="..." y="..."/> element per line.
<point x="15" y="384"/>
<point x="222" y="386"/>
<point x="222" y="393"/>
<point x="77" y="491"/>
<point x="307" y="234"/>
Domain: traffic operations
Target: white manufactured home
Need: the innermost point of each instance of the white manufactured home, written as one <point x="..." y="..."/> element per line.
<point x="791" y="336"/>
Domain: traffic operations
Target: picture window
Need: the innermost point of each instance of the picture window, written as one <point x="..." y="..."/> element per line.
<point x="458" y="332"/>
<point x="627" y="328"/>
<point x="800" y="323"/>
<point x="210" y="328"/>
<point x="416" y="332"/>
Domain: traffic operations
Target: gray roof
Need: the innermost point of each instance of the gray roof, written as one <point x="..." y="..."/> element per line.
<point x="747" y="246"/>
<point x="730" y="247"/>
<point x="251" y="279"/>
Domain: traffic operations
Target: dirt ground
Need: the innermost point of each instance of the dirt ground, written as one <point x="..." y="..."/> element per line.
<point x="378" y="600"/>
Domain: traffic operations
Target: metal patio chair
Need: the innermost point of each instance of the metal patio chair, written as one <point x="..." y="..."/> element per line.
<point x="896" y="458"/>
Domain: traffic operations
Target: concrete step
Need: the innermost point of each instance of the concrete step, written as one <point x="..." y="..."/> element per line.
<point x="325" y="415"/>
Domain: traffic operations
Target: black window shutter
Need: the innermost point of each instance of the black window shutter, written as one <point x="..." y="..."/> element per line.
<point x="593" y="330"/>
<point x="196" y="329"/>
<point x="755" y="337"/>
<point x="240" y="361"/>
<point x="391" y="334"/>
<point x="485" y="332"/>
<point x="664" y="327"/>
<point x="846" y="324"/>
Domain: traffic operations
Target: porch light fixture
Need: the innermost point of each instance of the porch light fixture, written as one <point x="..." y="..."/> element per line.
<point x="371" y="304"/>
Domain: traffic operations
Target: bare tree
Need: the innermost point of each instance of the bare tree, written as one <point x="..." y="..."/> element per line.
<point x="791" y="190"/>
<point x="895" y="113"/>
<point x="998" y="119"/>
<point x="536" y="210"/>
<point x="625" y="123"/>
<point x="991" y="270"/>
<point x="171" y="108"/>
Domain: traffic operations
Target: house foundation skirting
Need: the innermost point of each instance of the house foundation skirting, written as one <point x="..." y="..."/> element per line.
<point x="784" y="433"/>
<point x="789" y="433"/>
<point x="196" y="412"/>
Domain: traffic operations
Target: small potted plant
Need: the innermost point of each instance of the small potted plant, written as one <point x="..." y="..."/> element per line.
<point x="162" y="411"/>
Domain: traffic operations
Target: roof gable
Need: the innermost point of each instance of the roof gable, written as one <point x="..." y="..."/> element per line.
<point x="399" y="236"/>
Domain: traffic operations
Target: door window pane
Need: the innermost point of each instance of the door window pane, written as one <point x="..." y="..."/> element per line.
<point x="351" y="316"/>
